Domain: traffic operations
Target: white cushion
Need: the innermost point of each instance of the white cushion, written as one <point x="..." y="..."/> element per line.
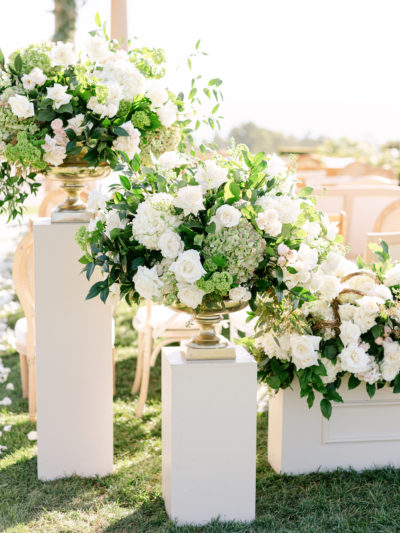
<point x="21" y="330"/>
<point x="162" y="319"/>
<point x="238" y="323"/>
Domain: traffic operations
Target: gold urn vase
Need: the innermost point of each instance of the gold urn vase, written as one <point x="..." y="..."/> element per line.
<point x="207" y="344"/>
<point x="73" y="175"/>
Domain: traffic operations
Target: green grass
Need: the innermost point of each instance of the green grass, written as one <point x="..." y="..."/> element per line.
<point x="130" y="500"/>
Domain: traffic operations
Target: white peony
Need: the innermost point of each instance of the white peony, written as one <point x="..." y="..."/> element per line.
<point x="190" y="295"/>
<point x="97" y="49"/>
<point x="349" y="333"/>
<point x="188" y="268"/>
<point x="190" y="199"/>
<point x="211" y="176"/>
<point x="393" y="276"/>
<point x="304" y="350"/>
<point x="58" y="93"/>
<point x="21" y="106"/>
<point x="167" y="114"/>
<point x="330" y="287"/>
<point x="170" y="160"/>
<point x="369" y="304"/>
<point x="332" y="370"/>
<point x="75" y="123"/>
<point x="239" y="294"/>
<point x="354" y="359"/>
<point x="35" y="77"/>
<point x="147" y="283"/>
<point x="170" y="244"/>
<point x="226" y="216"/>
<point x="269" y="222"/>
<point x="62" y="54"/>
<point x="275" y="166"/>
<point x="113" y="221"/>
<point x="128" y="144"/>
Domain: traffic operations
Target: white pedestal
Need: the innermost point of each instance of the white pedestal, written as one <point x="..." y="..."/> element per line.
<point x="209" y="417"/>
<point x="73" y="361"/>
<point x="362" y="433"/>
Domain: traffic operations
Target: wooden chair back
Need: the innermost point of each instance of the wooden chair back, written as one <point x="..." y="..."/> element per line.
<point x="23" y="276"/>
<point x="389" y="218"/>
<point x="340" y="219"/>
<point x="391" y="238"/>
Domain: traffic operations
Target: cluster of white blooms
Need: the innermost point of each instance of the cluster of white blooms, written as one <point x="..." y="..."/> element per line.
<point x="391" y="359"/>
<point x="109" y="107"/>
<point x="130" y="143"/>
<point x="277" y="210"/>
<point x="152" y="220"/>
<point x="34" y="78"/>
<point x="75" y="124"/>
<point x="211" y="175"/>
<point x="190" y="199"/>
<point x="62" y="54"/>
<point x="302" y="350"/>
<point x="239" y="294"/>
<point x="160" y="103"/>
<point x="121" y="71"/>
<point x="21" y="106"/>
<point x="170" y="160"/>
<point x="58" y="93"/>
<point x="393" y="276"/>
<point x="284" y="180"/>
<point x="55" y="147"/>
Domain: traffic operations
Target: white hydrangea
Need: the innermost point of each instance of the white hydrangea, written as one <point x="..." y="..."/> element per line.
<point x="150" y="223"/>
<point x="122" y="72"/>
<point x="128" y="144"/>
<point x="267" y="342"/>
<point x="97" y="49"/>
<point x="268" y="221"/>
<point x="287" y="208"/>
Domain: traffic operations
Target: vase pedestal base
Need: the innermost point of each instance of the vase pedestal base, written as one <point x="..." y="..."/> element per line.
<point x="60" y="216"/>
<point x="193" y="352"/>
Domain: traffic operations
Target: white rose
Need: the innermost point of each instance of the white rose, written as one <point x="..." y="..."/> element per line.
<point x="56" y="156"/>
<point x="211" y="176"/>
<point x="188" y="268"/>
<point x="97" y="200"/>
<point x="393" y="276"/>
<point x="332" y="370"/>
<point x="75" y="123"/>
<point x="331" y="263"/>
<point x="58" y="93"/>
<point x="380" y="291"/>
<point x="304" y="350"/>
<point x="190" y="199"/>
<point x="391" y="352"/>
<point x="62" y="54"/>
<point x="269" y="222"/>
<point x="373" y="374"/>
<point x="354" y="359"/>
<point x="369" y="304"/>
<point x="170" y="244"/>
<point x="226" y="216"/>
<point x="239" y="294"/>
<point x="313" y="230"/>
<point x="283" y="249"/>
<point x="349" y="333"/>
<point x="346" y="312"/>
<point x="21" y="106"/>
<point x="389" y="371"/>
<point x="147" y="283"/>
<point x="167" y="114"/>
<point x="97" y="49"/>
<point x="190" y="295"/>
<point x="35" y="77"/>
<point x="331" y="231"/>
<point x="363" y="320"/>
<point x="113" y="221"/>
<point x="170" y="160"/>
<point x="275" y="166"/>
<point x="330" y="287"/>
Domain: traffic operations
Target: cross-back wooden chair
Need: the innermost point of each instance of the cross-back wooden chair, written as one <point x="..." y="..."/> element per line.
<point x="392" y="239"/>
<point x="389" y="218"/>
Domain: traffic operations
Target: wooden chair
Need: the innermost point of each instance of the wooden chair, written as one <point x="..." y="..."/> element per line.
<point x="25" y="327"/>
<point x="156" y="322"/>
<point x="389" y="218"/>
<point x="392" y="239"/>
<point x="340" y="219"/>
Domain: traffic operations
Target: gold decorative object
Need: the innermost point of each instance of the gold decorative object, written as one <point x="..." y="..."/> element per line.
<point x="74" y="174"/>
<point x="207" y="344"/>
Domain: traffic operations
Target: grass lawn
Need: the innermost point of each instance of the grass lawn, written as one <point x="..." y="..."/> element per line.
<point x="130" y="500"/>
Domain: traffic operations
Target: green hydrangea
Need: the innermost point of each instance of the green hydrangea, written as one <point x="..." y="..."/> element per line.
<point x="141" y="120"/>
<point x="242" y="247"/>
<point x="102" y="92"/>
<point x="206" y="285"/>
<point x="124" y="108"/>
<point x="222" y="281"/>
<point x="210" y="266"/>
<point x="11" y="125"/>
<point x="25" y="153"/>
<point x="36" y="55"/>
<point x="160" y="140"/>
<point x="81" y="237"/>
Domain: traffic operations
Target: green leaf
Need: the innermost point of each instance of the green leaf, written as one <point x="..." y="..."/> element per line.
<point x="46" y="115"/>
<point x="97" y="19"/>
<point x="215" y="81"/>
<point x="66" y="108"/>
<point x="197" y="44"/>
<point x="89" y="270"/>
<point x="95" y="290"/>
<point x="306" y="191"/>
<point x="211" y="228"/>
<point x="385" y="247"/>
<point x="18" y="63"/>
<point x="1" y="57"/>
<point x="353" y="382"/>
<point x="274" y="382"/>
<point x="219" y="260"/>
<point x="120" y="132"/>
<point x="326" y="408"/>
<point x="126" y="184"/>
<point x="371" y="389"/>
<point x="310" y="399"/>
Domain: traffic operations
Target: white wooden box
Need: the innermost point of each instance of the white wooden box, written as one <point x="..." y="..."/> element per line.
<point x="362" y="433"/>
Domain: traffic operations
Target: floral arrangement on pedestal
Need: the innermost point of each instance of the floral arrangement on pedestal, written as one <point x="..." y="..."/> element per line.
<point x="198" y="232"/>
<point x="351" y="329"/>
<point x="105" y="104"/>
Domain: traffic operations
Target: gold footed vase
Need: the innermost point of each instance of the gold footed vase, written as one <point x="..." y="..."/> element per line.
<point x="207" y="344"/>
<point x="73" y="175"/>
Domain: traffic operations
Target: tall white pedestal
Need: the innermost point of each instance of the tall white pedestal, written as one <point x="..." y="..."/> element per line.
<point x="209" y="417"/>
<point x="73" y="361"/>
<point x="362" y="433"/>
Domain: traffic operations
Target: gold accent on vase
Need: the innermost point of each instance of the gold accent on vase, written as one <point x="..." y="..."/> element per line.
<point x="74" y="174"/>
<point x="207" y="344"/>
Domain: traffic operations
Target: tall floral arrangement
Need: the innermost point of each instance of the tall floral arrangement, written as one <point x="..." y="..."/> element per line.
<point x="197" y="232"/>
<point x="104" y="104"/>
<point x="350" y="331"/>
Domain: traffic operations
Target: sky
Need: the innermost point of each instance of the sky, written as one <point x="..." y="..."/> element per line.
<point x="317" y="67"/>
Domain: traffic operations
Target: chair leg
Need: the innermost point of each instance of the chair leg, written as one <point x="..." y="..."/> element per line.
<point x="113" y="361"/>
<point x="144" y="387"/>
<point x="23" y="363"/>
<point x="32" y="389"/>
<point x="138" y="373"/>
